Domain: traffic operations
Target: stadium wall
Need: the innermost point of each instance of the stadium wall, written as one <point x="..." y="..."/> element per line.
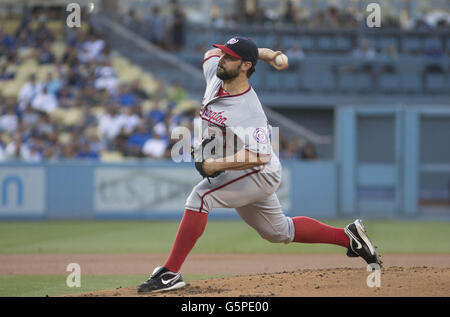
<point x="390" y="162"/>
<point x="141" y="190"/>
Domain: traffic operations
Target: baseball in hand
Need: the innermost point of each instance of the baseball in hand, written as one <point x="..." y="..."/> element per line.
<point x="281" y="60"/>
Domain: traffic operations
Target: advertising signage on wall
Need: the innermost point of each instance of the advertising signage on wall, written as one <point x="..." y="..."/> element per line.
<point x="22" y="191"/>
<point x="131" y="190"/>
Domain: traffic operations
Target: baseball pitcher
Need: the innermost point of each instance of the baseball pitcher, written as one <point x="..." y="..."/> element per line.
<point x="240" y="169"/>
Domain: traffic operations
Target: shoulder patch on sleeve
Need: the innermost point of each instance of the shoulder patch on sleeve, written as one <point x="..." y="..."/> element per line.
<point x="260" y="136"/>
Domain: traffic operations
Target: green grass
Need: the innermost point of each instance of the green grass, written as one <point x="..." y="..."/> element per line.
<point x="55" y="285"/>
<point x="219" y="237"/>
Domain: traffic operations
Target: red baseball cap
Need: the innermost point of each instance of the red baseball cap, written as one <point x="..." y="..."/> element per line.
<point x="242" y="48"/>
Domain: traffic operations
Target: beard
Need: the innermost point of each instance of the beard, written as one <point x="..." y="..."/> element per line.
<point x="227" y="74"/>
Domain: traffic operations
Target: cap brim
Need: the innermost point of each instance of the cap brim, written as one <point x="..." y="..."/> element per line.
<point x="227" y="50"/>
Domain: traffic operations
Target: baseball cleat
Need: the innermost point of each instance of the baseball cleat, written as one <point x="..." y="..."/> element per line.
<point x="162" y="280"/>
<point x="360" y="244"/>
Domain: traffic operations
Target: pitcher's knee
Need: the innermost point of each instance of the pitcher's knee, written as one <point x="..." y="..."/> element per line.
<point x="275" y="237"/>
<point x="197" y="201"/>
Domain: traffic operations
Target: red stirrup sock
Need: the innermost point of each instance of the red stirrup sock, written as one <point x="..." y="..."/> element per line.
<point x="308" y="230"/>
<point x="191" y="228"/>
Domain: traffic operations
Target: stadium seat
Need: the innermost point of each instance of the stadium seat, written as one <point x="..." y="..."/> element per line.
<point x="411" y="44"/>
<point x="290" y="81"/>
<point x="288" y="41"/>
<point x="363" y="82"/>
<point x="346" y="82"/>
<point x="389" y="82"/>
<point x="316" y="76"/>
<point x="273" y="81"/>
<point x="325" y="43"/>
<point x="447" y="44"/>
<point x="411" y="82"/>
<point x="435" y="82"/>
<point x="111" y="156"/>
<point x="257" y="81"/>
<point x="383" y="42"/>
<point x="343" y="44"/>
<point x="306" y="42"/>
<point x="410" y="71"/>
<point x="432" y="43"/>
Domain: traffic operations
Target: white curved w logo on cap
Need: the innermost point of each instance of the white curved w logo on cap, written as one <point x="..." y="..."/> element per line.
<point x="232" y="41"/>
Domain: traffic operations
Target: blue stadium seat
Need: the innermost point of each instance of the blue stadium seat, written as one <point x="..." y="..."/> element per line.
<point x="383" y="42"/>
<point x="290" y="40"/>
<point x="363" y="82"/>
<point x="273" y="81"/>
<point x="411" y="82"/>
<point x="325" y="43"/>
<point x="343" y="44"/>
<point x="447" y="44"/>
<point x="306" y="42"/>
<point x="290" y="81"/>
<point x="257" y="81"/>
<point x="435" y="82"/>
<point x="389" y="82"/>
<point x="316" y="76"/>
<point x="412" y="44"/>
<point x="346" y="82"/>
<point x="432" y="43"/>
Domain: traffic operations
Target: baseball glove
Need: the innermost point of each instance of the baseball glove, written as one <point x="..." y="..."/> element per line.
<point x="198" y="157"/>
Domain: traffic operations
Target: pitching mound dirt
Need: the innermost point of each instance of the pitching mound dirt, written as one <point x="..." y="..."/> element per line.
<point x="394" y="281"/>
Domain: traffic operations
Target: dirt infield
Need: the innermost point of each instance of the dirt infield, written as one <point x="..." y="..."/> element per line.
<point x="255" y="275"/>
<point x="395" y="281"/>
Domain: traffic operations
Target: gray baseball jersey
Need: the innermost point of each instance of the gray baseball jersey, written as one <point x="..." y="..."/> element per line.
<point x="241" y="122"/>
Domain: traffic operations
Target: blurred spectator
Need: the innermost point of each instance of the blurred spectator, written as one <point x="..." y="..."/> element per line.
<point x="309" y="152"/>
<point x="42" y="34"/>
<point x="17" y="150"/>
<point x="52" y="84"/>
<point x="66" y="98"/>
<point x="68" y="150"/>
<point x="85" y="151"/>
<point x="289" y="13"/>
<point x="364" y="51"/>
<point x="30" y="117"/>
<point x="2" y="152"/>
<point x="7" y="42"/>
<point x="126" y="98"/>
<point x="131" y="119"/>
<point x="389" y="55"/>
<point x="5" y="73"/>
<point x="29" y="91"/>
<point x="157" y="27"/>
<point x="137" y="140"/>
<point x="177" y="92"/>
<point x="331" y="17"/>
<point x="106" y="77"/>
<point x="295" y="53"/>
<point x="293" y="150"/>
<point x="70" y="57"/>
<point x="45" y="55"/>
<point x="178" y="27"/>
<point x="44" y="125"/>
<point x="23" y="42"/>
<point x="92" y="48"/>
<point x="156" y="114"/>
<point x="9" y="121"/>
<point x="110" y="123"/>
<point x="45" y="101"/>
<point x="137" y="90"/>
<point x="155" y="147"/>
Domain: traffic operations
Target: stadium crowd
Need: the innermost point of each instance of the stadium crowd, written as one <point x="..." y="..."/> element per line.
<point x="110" y="115"/>
<point x="107" y="114"/>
